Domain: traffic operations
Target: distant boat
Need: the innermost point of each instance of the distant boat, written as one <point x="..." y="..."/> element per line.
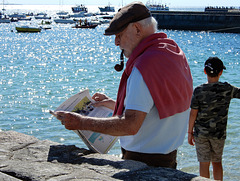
<point x="62" y="13"/>
<point x="156" y="7"/>
<point x="24" y="19"/>
<point x="79" y="8"/>
<point x="42" y="17"/>
<point x="64" y="21"/>
<point x="17" y="15"/>
<point x="28" y="29"/>
<point x="222" y="9"/>
<point x="85" y="26"/>
<point x="77" y="15"/>
<point x="45" y="22"/>
<point x="4" y="19"/>
<point x="107" y="9"/>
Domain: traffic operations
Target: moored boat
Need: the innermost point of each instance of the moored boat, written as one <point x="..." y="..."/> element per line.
<point x="17" y="15"/>
<point x="4" y="19"/>
<point x="28" y="29"/>
<point x="64" y="21"/>
<point x="156" y="7"/>
<point x="223" y="9"/>
<point x="79" y="8"/>
<point x="85" y="26"/>
<point x="62" y="13"/>
<point x="107" y="9"/>
<point x="42" y="17"/>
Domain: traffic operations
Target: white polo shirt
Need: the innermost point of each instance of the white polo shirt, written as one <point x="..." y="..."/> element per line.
<point x="155" y="135"/>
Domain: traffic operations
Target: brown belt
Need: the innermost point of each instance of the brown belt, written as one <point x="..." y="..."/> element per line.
<point x="155" y="160"/>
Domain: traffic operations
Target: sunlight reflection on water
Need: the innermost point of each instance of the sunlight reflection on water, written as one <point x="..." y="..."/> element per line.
<point x="40" y="71"/>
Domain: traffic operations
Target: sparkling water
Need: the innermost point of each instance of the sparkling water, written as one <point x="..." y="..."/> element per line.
<point x="38" y="71"/>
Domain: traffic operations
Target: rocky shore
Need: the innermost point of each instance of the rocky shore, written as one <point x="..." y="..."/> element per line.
<point x="24" y="157"/>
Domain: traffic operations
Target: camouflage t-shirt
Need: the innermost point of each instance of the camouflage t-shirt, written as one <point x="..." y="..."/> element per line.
<point x="212" y="101"/>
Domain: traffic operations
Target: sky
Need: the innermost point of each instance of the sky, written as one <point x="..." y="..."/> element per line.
<point x="170" y="3"/>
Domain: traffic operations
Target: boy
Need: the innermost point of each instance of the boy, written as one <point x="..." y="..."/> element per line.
<point x="208" y="117"/>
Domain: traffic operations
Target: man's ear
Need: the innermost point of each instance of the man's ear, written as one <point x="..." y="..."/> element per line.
<point x="205" y="71"/>
<point x="137" y="28"/>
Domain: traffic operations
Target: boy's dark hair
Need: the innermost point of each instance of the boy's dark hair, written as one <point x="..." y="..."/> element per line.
<point x="213" y="66"/>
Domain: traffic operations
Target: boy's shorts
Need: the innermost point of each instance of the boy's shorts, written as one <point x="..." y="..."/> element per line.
<point x="209" y="150"/>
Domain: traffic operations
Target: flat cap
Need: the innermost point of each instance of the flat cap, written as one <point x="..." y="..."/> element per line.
<point x="130" y="13"/>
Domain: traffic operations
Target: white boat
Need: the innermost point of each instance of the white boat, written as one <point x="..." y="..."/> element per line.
<point x="79" y="8"/>
<point x="156" y="7"/>
<point x="64" y="21"/>
<point x="4" y="18"/>
<point x="28" y="29"/>
<point x="62" y="13"/>
<point x="104" y="21"/>
<point x="41" y="14"/>
<point x="42" y="17"/>
<point x="25" y="19"/>
<point x="77" y="15"/>
<point x="17" y="15"/>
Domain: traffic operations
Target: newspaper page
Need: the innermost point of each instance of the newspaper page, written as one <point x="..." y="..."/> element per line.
<point x="82" y="103"/>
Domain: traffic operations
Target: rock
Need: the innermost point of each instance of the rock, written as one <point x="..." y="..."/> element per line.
<point x="24" y="157"/>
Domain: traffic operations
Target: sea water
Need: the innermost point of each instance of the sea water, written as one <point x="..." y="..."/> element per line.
<point x="39" y="71"/>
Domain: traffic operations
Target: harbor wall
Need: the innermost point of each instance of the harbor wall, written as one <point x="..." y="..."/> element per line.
<point x="198" y="21"/>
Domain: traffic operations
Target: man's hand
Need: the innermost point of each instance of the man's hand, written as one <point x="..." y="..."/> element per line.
<point x="70" y="120"/>
<point x="103" y="100"/>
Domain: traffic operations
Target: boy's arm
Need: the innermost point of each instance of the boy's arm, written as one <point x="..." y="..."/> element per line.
<point x="192" y="118"/>
<point x="236" y="92"/>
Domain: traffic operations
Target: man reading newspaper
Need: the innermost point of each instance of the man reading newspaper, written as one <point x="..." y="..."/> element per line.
<point x="152" y="107"/>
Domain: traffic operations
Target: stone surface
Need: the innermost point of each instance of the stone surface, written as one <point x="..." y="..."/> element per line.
<point x="24" y="157"/>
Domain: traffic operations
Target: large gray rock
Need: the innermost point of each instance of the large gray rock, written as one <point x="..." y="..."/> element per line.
<point x="24" y="157"/>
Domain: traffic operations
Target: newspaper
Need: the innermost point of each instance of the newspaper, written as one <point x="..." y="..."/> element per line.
<point x="82" y="103"/>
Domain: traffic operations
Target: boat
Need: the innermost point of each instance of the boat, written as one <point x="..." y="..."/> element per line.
<point x="45" y="22"/>
<point x="85" y="26"/>
<point x="28" y="29"/>
<point x="222" y="9"/>
<point x="41" y="14"/>
<point x="42" y="17"/>
<point x="17" y="15"/>
<point x="14" y="20"/>
<point x="62" y="13"/>
<point x="79" y="8"/>
<point x="4" y="19"/>
<point x="107" y="9"/>
<point x="156" y="7"/>
<point x="77" y="15"/>
<point x="64" y="21"/>
<point x="24" y="19"/>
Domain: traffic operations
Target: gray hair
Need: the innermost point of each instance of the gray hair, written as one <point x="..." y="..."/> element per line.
<point x="149" y="22"/>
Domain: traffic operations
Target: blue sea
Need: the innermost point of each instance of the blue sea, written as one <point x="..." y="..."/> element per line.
<point x="39" y="71"/>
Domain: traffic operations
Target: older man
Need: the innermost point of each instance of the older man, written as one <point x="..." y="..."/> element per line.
<point x="152" y="108"/>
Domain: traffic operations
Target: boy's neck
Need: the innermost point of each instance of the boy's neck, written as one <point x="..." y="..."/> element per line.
<point x="213" y="79"/>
